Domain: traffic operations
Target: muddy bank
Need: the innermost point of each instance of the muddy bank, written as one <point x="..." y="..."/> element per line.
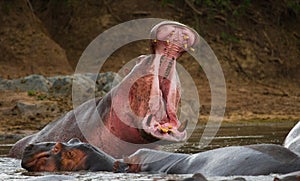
<point x="29" y="103"/>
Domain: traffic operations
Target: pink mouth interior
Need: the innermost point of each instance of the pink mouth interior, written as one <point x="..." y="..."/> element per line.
<point x="161" y="120"/>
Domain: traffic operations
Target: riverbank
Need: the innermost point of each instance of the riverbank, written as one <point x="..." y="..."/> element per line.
<point x="28" y="104"/>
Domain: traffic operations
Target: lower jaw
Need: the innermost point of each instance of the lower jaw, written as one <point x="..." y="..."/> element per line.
<point x="163" y="138"/>
<point x="148" y="137"/>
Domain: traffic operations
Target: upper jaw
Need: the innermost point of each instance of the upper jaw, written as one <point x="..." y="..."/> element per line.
<point x="169" y="37"/>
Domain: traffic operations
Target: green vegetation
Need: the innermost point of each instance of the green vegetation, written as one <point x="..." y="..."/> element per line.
<point x="225" y="10"/>
<point x="229" y="38"/>
<point x="230" y="7"/>
<point x="31" y="93"/>
<point x="6" y="7"/>
<point x="41" y="97"/>
<point x="294" y="5"/>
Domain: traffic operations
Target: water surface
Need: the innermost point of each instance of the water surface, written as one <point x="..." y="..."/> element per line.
<point x="228" y="135"/>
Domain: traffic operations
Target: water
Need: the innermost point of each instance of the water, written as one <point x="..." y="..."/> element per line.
<point x="229" y="134"/>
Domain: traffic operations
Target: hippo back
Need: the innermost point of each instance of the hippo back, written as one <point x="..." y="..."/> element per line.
<point x="260" y="159"/>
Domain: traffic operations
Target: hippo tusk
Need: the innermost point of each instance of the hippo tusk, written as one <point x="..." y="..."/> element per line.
<point x="149" y="119"/>
<point x="183" y="125"/>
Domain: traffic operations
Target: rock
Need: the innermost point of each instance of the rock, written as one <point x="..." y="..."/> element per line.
<point x="32" y="82"/>
<point x="86" y="84"/>
<point x="105" y="81"/>
<point x="37" y="108"/>
<point x="61" y="85"/>
<point x="196" y="177"/>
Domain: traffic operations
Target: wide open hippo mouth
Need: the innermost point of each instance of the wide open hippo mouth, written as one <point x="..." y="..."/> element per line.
<point x="169" y="41"/>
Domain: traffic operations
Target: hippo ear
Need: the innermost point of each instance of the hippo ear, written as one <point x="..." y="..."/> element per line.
<point x="74" y="140"/>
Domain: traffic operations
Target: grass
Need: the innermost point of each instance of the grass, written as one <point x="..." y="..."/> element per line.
<point x="31" y="93"/>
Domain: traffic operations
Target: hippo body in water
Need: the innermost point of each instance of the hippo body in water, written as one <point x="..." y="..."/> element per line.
<point x="292" y="141"/>
<point x="235" y="160"/>
<point x="139" y="110"/>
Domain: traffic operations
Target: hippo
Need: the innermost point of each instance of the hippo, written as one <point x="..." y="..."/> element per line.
<point x="260" y="159"/>
<point x="71" y="156"/>
<point x="140" y="110"/>
<point x="292" y="141"/>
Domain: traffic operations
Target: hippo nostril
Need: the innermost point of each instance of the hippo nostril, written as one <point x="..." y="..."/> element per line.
<point x="30" y="146"/>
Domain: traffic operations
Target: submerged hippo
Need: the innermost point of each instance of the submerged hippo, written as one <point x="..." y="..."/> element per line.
<point x="235" y="160"/>
<point x="152" y="102"/>
<point x="292" y="141"/>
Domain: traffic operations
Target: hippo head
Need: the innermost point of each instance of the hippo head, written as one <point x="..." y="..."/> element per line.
<point x="72" y="156"/>
<point x="149" y="96"/>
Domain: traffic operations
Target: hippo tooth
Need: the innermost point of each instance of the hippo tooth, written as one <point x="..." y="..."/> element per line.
<point x="186" y="37"/>
<point x="149" y="119"/>
<point x="154" y="40"/>
<point x="185" y="45"/>
<point x="164" y="130"/>
<point x="183" y="125"/>
<point x="192" y="49"/>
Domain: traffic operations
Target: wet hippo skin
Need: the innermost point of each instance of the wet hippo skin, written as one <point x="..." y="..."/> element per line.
<point x="235" y="160"/>
<point x="260" y="159"/>
<point x="71" y="156"/>
<point x="141" y="109"/>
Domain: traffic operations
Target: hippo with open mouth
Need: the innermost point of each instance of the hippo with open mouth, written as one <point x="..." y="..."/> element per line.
<point x="152" y="102"/>
<point x="261" y="159"/>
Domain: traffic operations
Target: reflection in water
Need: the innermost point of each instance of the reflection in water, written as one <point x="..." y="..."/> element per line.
<point x="238" y="134"/>
<point x="229" y="134"/>
<point x="6" y="142"/>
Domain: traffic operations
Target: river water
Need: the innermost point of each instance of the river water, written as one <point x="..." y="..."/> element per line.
<point x="228" y="134"/>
